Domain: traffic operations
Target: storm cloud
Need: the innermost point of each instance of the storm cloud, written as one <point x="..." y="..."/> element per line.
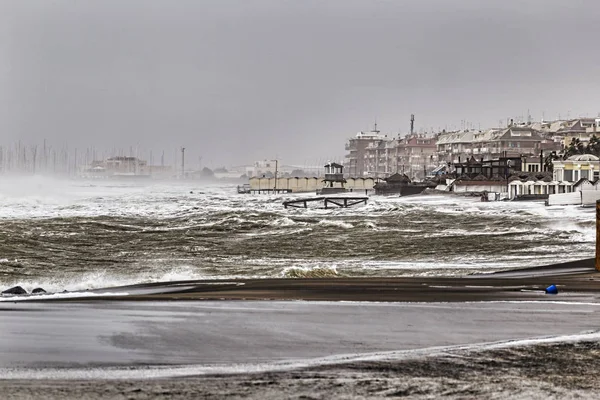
<point x="235" y="81"/>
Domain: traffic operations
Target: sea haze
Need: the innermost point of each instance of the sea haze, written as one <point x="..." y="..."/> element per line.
<point x="77" y="235"/>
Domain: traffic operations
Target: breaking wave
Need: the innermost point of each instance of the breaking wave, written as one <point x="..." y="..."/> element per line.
<point x="89" y="236"/>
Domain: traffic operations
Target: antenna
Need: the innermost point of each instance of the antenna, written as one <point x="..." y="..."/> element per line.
<point x="412" y="123"/>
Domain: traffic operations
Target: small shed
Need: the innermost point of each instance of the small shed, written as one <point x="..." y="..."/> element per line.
<point x="334" y="179"/>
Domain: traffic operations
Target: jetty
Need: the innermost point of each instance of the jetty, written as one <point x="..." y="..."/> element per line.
<point x="328" y="201"/>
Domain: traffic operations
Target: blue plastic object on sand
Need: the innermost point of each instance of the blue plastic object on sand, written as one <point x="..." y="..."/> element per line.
<point x="551" y="289"/>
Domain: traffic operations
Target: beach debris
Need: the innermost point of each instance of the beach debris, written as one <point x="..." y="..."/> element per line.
<point x="552" y="289"/>
<point x="15" y="290"/>
<point x="38" y="290"/>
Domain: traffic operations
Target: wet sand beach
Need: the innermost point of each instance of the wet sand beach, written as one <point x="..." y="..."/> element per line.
<point x="577" y="278"/>
<point x="491" y="336"/>
<point x="554" y="371"/>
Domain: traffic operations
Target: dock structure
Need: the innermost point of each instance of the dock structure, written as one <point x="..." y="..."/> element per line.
<point x="328" y="201"/>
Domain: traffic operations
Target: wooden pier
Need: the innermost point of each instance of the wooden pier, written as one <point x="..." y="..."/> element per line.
<point x="328" y="201"/>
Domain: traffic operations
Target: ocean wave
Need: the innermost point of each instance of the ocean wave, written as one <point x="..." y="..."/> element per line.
<point x="336" y="223"/>
<point x="142" y="234"/>
<point x="310" y="272"/>
<point x="101" y="279"/>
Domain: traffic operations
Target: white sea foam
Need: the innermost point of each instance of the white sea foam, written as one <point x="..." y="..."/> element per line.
<point x="99" y="279"/>
<point x="336" y="223"/>
<point x="61" y="295"/>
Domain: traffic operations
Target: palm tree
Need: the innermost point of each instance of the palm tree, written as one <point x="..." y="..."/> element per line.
<point x="593" y="147"/>
<point x="575" y="147"/>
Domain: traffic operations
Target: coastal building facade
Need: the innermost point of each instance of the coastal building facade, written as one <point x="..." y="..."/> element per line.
<point x="514" y="141"/>
<point x="379" y="156"/>
<point x="574" y="168"/>
<point x="534" y="144"/>
<point x="364" y="153"/>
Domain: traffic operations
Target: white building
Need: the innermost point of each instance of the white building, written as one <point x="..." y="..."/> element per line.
<point x="574" y="168"/>
<point x="263" y="168"/>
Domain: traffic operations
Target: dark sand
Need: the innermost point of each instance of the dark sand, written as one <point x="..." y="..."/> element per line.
<point x="578" y="277"/>
<point x="558" y="370"/>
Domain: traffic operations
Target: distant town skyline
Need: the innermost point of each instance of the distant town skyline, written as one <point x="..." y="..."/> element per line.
<point x="237" y="81"/>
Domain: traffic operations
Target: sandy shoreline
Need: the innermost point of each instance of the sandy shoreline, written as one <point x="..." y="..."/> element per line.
<point x="549" y="371"/>
<point x="577" y="278"/>
<point x="188" y="323"/>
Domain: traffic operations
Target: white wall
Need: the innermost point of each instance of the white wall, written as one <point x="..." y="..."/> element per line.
<point x="562" y="199"/>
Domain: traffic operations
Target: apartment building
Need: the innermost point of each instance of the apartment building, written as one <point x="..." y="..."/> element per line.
<point x="364" y="153"/>
<point x="379" y="156"/>
<point x="492" y="143"/>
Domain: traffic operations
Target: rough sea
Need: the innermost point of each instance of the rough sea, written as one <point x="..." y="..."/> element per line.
<point x="77" y="235"/>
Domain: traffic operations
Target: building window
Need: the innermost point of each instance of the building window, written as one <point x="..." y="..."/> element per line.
<point x="584" y="174"/>
<point x="568" y="175"/>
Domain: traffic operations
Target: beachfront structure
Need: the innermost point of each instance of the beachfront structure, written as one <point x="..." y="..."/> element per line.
<point x="500" y="167"/>
<point x="514" y="141"/>
<point x="573" y="181"/>
<point x="379" y="156"/>
<point x="306" y="184"/>
<point x="417" y="156"/>
<point x="534" y="164"/>
<point x="121" y="166"/>
<point x="334" y="179"/>
<point x="358" y="160"/>
<point x="537" y="186"/>
<point x="574" y="168"/>
<point x="263" y="168"/>
<point x="114" y="166"/>
<point x="584" y="193"/>
<point x="268" y="168"/>
<point x="479" y="184"/>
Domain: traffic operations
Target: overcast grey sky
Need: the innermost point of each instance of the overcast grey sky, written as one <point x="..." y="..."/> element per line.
<point x="241" y="80"/>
